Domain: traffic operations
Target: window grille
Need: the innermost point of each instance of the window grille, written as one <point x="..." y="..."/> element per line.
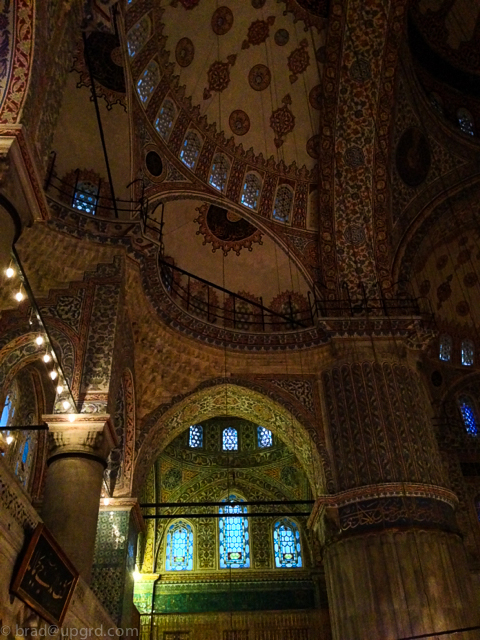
<point x="179" y="554"/>
<point x="138" y="36"/>
<point x="264" y="437"/>
<point x="251" y="191"/>
<point x="165" y="118"/>
<point x="190" y="149"/>
<point x="230" y="439"/>
<point x="445" y="351"/>
<point x="86" y="197"/>
<point x="465" y="122"/>
<point x="286" y="543"/>
<point x="234" y="540"/>
<point x="148" y="82"/>
<point x="468" y="353"/>
<point x="195" y="438"/>
<point x="219" y="172"/>
<point x="283" y="204"/>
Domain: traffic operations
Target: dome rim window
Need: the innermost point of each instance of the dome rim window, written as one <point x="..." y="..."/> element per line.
<point x="467" y="353"/>
<point x="465" y="122"/>
<point x="285" y="219"/>
<point x="219" y="185"/>
<point x="167" y="127"/>
<point x="189" y="154"/>
<point x="151" y="78"/>
<point x="468" y="411"/>
<point x="195" y="436"/>
<point x="250" y="196"/>
<point x="230" y="441"/>
<point x="445" y="348"/>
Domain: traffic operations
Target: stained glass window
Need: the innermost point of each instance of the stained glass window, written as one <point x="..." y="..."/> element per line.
<point x="8" y="412"/>
<point x="230" y="439"/>
<point x="86" y="197"/>
<point x="179" y="555"/>
<point x="283" y="204"/>
<point x="190" y="149"/>
<point x="164" y="121"/>
<point x="286" y="544"/>
<point x="468" y="414"/>
<point x="264" y="437"/>
<point x="233" y="536"/>
<point x="251" y="191"/>
<point x="219" y="172"/>
<point x="195" y="438"/>
<point x="445" y="352"/>
<point x="24" y="461"/>
<point x="465" y="122"/>
<point x="468" y="353"/>
<point x="138" y="36"/>
<point x="149" y="80"/>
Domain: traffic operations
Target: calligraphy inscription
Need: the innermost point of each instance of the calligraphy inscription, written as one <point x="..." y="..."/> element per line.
<point x="46" y="578"/>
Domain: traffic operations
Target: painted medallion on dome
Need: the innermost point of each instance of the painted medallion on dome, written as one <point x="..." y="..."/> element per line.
<point x="226" y="230"/>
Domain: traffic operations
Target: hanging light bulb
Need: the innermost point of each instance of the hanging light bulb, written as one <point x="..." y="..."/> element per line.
<point x="47" y="357"/>
<point x="39" y="340"/>
<point x="106" y="501"/>
<point x="59" y="389"/>
<point x="19" y="296"/>
<point x="71" y="417"/>
<point x="65" y="404"/>
<point x="10" y="272"/>
<point x="53" y="374"/>
<point x="9" y="439"/>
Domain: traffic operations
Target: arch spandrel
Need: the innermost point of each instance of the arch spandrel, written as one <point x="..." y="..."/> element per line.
<point x="239" y="402"/>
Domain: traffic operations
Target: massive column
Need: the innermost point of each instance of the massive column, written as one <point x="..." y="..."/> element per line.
<point x="77" y="458"/>
<point x="394" y="563"/>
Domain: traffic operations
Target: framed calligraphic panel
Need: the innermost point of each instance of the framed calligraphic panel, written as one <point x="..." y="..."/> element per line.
<point x="46" y="578"/>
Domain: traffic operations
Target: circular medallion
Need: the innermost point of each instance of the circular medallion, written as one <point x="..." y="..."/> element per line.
<point x="239" y="122"/>
<point x="184" y="52"/>
<point x="117" y="56"/>
<point x="282" y="37"/>
<point x="314" y="96"/>
<point x="470" y="279"/>
<point x="225" y="229"/>
<point x="413" y="157"/>
<point x="259" y="77"/>
<point x="222" y="21"/>
<point x="258" y="4"/>
<point x="354" y="234"/>
<point x="463" y="308"/>
<point x="154" y="163"/>
<point x="313" y="147"/>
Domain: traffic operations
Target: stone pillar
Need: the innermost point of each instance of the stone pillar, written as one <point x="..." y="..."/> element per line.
<point x="119" y="523"/>
<point x="7" y="237"/>
<point x="394" y="563"/>
<point x="76" y="461"/>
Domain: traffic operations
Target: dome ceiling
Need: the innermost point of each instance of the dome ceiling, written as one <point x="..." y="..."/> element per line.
<point x="252" y="69"/>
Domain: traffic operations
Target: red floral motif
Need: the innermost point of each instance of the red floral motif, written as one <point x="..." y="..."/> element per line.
<point x="282" y="121"/>
<point x="298" y="60"/>
<point x="444" y="291"/>
<point x="258" y="32"/>
<point x="218" y="76"/>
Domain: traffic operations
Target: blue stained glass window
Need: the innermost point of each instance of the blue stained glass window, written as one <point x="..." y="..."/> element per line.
<point x="234" y="536"/>
<point x="190" y="150"/>
<point x="251" y="191"/>
<point x="230" y="439"/>
<point x="195" y="438"/>
<point x="86" y="197"/>
<point x="219" y="172"/>
<point x="468" y="414"/>
<point x="286" y="543"/>
<point x="148" y="81"/>
<point x="179" y="555"/>
<point x="264" y="437"/>
<point x="7" y="409"/>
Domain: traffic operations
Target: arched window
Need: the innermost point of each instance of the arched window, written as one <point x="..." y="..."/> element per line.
<point x="165" y="118"/>
<point x="436" y="102"/>
<point x="465" y="122"/>
<point x="138" y="36"/>
<point x="149" y="80"/>
<point x="467" y="409"/>
<point x="233" y="536"/>
<point x="195" y="437"/>
<point x="283" y="204"/>
<point x="251" y="191"/>
<point x="445" y="351"/>
<point x="286" y="544"/>
<point x="190" y="149"/>
<point x="179" y="554"/>
<point x="86" y="197"/>
<point x="468" y="353"/>
<point x="8" y="411"/>
<point x="219" y="172"/>
<point x="264" y="438"/>
<point x="230" y="439"/>
<point x="24" y="461"/>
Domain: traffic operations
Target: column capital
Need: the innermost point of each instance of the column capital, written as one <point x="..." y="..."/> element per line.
<point x="87" y="434"/>
<point x="125" y="504"/>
